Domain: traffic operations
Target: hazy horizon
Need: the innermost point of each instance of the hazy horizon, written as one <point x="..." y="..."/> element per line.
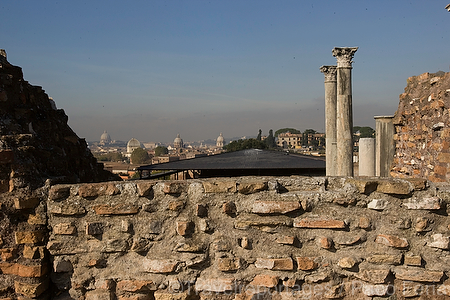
<point x="153" y="69"/>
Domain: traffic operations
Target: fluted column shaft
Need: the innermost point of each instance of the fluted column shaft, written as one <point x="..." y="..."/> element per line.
<point x="330" y="118"/>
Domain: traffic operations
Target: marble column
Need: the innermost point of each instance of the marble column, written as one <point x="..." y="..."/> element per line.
<point x="385" y="147"/>
<point x="366" y="157"/>
<point x="344" y="119"/>
<point x="330" y="119"/>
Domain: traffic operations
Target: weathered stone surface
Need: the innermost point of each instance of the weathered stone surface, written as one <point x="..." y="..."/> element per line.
<point x="439" y="241"/>
<point x="175" y="187"/>
<point x="219" y="186"/>
<point x="144" y="188"/>
<point x="163" y="295"/>
<point x="62" y="265"/>
<point x="247" y="221"/>
<point x="444" y="289"/>
<point x="275" y="207"/>
<point x="286" y="240"/>
<point x="201" y="210"/>
<point x="217" y="285"/>
<point x="280" y="264"/>
<point x="185" y="227"/>
<point x="31" y="290"/>
<point x="118" y="209"/>
<point x="93" y="190"/>
<point x="29" y="237"/>
<point x="58" y="192"/>
<point x="159" y="265"/>
<point x="421" y="224"/>
<point x="306" y="263"/>
<point x="372" y="290"/>
<point x="373" y="276"/>
<point x="395" y="187"/>
<point x="347" y="262"/>
<point x="432" y="203"/>
<point x="226" y="264"/>
<point x="176" y="205"/>
<point x="229" y="208"/>
<point x="26" y="202"/>
<point x="94" y="228"/>
<point x="67" y="209"/>
<point x="364" y="223"/>
<point x="319" y="223"/>
<point x="418" y="274"/>
<point x="392" y="241"/>
<point x="32" y="270"/>
<point x="268" y="281"/>
<point x="364" y="186"/>
<point x="378" y="204"/>
<point x="64" y="229"/>
<point x="136" y="286"/>
<point x="252" y="187"/>
<point x="413" y="260"/>
<point x="99" y="294"/>
<point x="324" y="242"/>
<point x="385" y="259"/>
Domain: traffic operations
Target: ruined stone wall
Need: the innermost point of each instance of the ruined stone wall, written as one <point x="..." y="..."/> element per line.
<point x="422" y="126"/>
<point x="239" y="238"/>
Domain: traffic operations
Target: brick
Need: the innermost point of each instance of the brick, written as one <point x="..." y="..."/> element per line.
<point x="259" y="221"/>
<point x="32" y="270"/>
<point x="58" y="192"/>
<point x="163" y="295"/>
<point x="145" y="188"/>
<point x="324" y="242"/>
<point x="6" y="156"/>
<point x="105" y="284"/>
<point x="217" y="285"/>
<point x="26" y="202"/>
<point x="159" y="265"/>
<point x="385" y="259"/>
<point x="392" y="241"/>
<point x="440" y="241"/>
<point x="136" y="286"/>
<point x="373" y="276"/>
<point x="8" y="254"/>
<point x="93" y="190"/>
<point x="226" y="264"/>
<point x="432" y="203"/>
<point x="219" y="186"/>
<point x="118" y="209"/>
<point x="418" y="274"/>
<point x="229" y="208"/>
<point x="268" y="281"/>
<point x="31" y="290"/>
<point x="29" y="237"/>
<point x="64" y="229"/>
<point x="67" y="209"/>
<point x="9" y="268"/>
<point x="306" y="263"/>
<point x="319" y="223"/>
<point x="247" y="188"/>
<point x="185" y="228"/>
<point x="413" y="260"/>
<point x="275" y="207"/>
<point x="175" y="187"/>
<point x="286" y="240"/>
<point x="276" y="264"/>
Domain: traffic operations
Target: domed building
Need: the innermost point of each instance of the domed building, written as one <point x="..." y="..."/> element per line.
<point x="105" y="138"/>
<point x="178" y="142"/>
<point x="132" y="145"/>
<point x="220" y="141"/>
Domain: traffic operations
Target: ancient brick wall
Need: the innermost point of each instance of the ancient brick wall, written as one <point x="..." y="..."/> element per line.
<point x="422" y="126"/>
<point x="238" y="238"/>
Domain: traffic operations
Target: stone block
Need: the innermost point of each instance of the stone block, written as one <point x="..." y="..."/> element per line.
<point x="176" y="205"/>
<point x="58" y="192"/>
<point x="185" y="228"/>
<point x="145" y="188"/>
<point x="275" y="207"/>
<point x="68" y="209"/>
<point x="392" y="241"/>
<point x="94" y="228"/>
<point x="306" y="263"/>
<point x="31" y="290"/>
<point x="219" y="186"/>
<point x="126" y="226"/>
<point x="26" y="202"/>
<point x="364" y="223"/>
<point x="373" y="276"/>
<point x="159" y="265"/>
<point x="8" y="254"/>
<point x="347" y="262"/>
<point x="421" y="224"/>
<point x="322" y="223"/>
<point x="99" y="295"/>
<point x="444" y="157"/>
<point x="9" y="268"/>
<point x="32" y="270"/>
<point x="247" y="188"/>
<point x="372" y="290"/>
<point x="118" y="209"/>
<point x="216" y="285"/>
<point x="286" y="240"/>
<point x="135" y="286"/>
<point x="432" y="203"/>
<point x="276" y="264"/>
<point x="378" y="204"/>
<point x="439" y="241"/>
<point x="29" y="237"/>
<point x="93" y="190"/>
<point x="64" y="229"/>
<point x="163" y="295"/>
<point x="364" y="186"/>
<point x="395" y="187"/>
<point x="324" y="242"/>
<point x="175" y="187"/>
<point x="226" y="264"/>
<point x="387" y="259"/>
<point x="418" y="274"/>
<point x="413" y="260"/>
<point x="268" y="281"/>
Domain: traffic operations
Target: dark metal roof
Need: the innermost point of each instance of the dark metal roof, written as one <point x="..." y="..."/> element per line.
<point x="244" y="159"/>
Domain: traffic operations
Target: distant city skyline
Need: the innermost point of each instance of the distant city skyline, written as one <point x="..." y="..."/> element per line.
<point x="153" y="69"/>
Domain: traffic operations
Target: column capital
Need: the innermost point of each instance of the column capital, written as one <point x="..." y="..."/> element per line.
<point x="344" y="56"/>
<point x="329" y="72"/>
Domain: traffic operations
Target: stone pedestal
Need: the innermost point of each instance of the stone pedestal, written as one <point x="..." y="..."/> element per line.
<point x="385" y="149"/>
<point x="366" y="157"/>
<point x="344" y="121"/>
<point x="330" y="118"/>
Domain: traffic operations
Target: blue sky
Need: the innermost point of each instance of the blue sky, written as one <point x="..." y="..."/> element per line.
<point x="152" y="69"/>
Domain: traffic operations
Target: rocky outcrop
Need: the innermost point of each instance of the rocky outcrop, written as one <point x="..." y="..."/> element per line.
<point x="422" y="125"/>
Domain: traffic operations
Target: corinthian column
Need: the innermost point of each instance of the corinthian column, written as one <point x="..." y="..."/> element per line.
<point x="330" y="119"/>
<point x="344" y="121"/>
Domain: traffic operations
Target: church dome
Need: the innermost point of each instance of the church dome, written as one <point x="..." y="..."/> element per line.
<point x="220" y="141"/>
<point x="105" y="138"/>
<point x="178" y="142"/>
<point x="132" y="145"/>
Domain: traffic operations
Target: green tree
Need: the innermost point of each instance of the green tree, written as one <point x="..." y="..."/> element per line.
<point x="140" y="156"/>
<point x="305" y="137"/>
<point x="245" y="144"/>
<point x="283" y="130"/>
<point x="364" y="132"/>
<point x="112" y="156"/>
<point x="259" y="135"/>
<point x="270" y="140"/>
<point x="160" y="150"/>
